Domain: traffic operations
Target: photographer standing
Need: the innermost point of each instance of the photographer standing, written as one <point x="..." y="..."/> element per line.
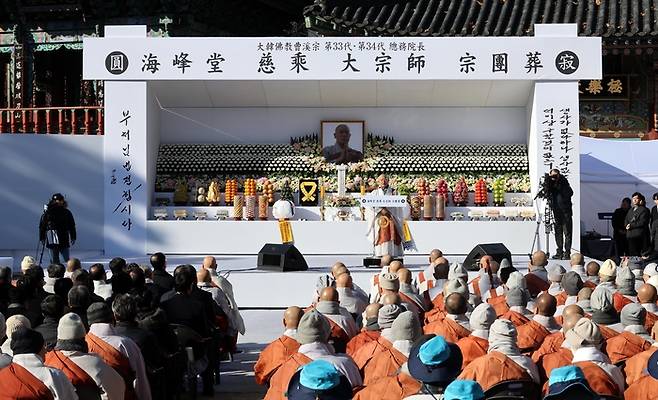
<point x="637" y="225"/>
<point x="57" y="228"/>
<point x="560" y="197"/>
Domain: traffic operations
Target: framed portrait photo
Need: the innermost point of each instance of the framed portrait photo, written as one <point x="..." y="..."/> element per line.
<point x="342" y="141"/>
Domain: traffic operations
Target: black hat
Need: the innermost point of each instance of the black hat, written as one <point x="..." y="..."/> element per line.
<point x="26" y="341"/>
<point x="58" y="197"/>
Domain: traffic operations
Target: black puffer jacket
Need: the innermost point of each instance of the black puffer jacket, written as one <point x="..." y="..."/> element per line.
<point x="561" y="193"/>
<point x="60" y="219"/>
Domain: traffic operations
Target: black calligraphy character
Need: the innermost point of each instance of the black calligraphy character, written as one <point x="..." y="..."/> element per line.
<point x="150" y="63"/>
<point x="260" y="47"/>
<point x="127" y="223"/>
<point x="127" y="180"/>
<point x="383" y="63"/>
<point x="113" y="179"/>
<point x="126" y="134"/>
<point x="126" y="117"/>
<point x="467" y="63"/>
<point x="534" y="62"/>
<point x="126" y="150"/>
<point x="266" y="65"/>
<point x="181" y="61"/>
<point x="214" y="60"/>
<point x="126" y="209"/>
<point x="127" y="166"/>
<point x="348" y="64"/>
<point x="417" y="62"/>
<point x="298" y="62"/>
<point x="127" y="196"/>
<point x="499" y="62"/>
<point x="567" y="62"/>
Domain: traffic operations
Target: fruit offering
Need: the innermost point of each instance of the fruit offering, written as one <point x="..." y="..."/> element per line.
<point x="481" y="197"/>
<point x="249" y="187"/>
<point x="442" y="190"/>
<point x="499" y="192"/>
<point x="422" y="187"/>
<point x="231" y="191"/>
<point x="460" y="193"/>
<point x="416" y="202"/>
<point x="213" y="193"/>
<point x="268" y="190"/>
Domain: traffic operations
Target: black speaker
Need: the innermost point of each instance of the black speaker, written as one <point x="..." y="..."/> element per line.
<point x="496" y="250"/>
<point x="281" y="257"/>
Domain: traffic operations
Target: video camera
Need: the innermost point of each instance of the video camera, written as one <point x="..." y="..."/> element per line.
<point x="544" y="187"/>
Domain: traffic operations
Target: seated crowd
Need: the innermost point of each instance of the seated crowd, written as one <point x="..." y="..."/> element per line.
<point x="583" y="332"/>
<point x="70" y="333"/>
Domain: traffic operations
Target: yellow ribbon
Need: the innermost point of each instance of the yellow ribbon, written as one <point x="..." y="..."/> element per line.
<point x="308" y="190"/>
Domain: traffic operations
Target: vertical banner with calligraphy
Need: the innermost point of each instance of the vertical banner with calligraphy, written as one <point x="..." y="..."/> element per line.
<point x="554" y="141"/>
<point x="124" y="151"/>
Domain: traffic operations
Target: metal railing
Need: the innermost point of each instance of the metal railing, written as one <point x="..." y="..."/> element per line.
<point x="80" y="120"/>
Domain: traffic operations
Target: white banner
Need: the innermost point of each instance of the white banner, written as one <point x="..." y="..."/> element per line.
<point x="343" y="58"/>
<point x="383" y="201"/>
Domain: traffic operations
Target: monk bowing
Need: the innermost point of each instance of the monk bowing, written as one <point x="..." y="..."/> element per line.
<point x="455" y="324"/>
<point x="278" y="351"/>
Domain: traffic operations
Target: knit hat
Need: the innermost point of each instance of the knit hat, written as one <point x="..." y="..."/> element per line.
<point x="556" y="272"/>
<point x="502" y="330"/>
<point x="15" y="323"/>
<point x="609" y="268"/>
<point x="26" y="341"/>
<point x="517" y="297"/>
<point x="572" y="283"/>
<point x="635" y="267"/>
<point x="633" y="314"/>
<point x="464" y="389"/>
<point x="27" y="263"/>
<point x="650" y="269"/>
<point x="406" y="327"/>
<point x="70" y="327"/>
<point x="389" y="281"/>
<point x="601" y="299"/>
<point x="516" y="280"/>
<point x="653" y="281"/>
<point x="99" y="313"/>
<point x="625" y="282"/>
<point x="434" y="361"/>
<point x="321" y="380"/>
<point x="313" y="327"/>
<point x="482" y="317"/>
<point x="457" y="271"/>
<point x="388" y="314"/>
<point x="584" y="333"/>
<point x="455" y="286"/>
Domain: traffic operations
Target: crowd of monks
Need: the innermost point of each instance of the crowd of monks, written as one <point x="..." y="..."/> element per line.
<point x="509" y="328"/>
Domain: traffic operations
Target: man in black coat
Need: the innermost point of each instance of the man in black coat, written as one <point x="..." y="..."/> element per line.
<point x="637" y="225"/>
<point x="161" y="278"/>
<point x="57" y="229"/>
<point x="619" y="227"/>
<point x="560" y="196"/>
<point x="52" y="308"/>
<point x="654" y="226"/>
<point x="183" y="309"/>
<point x="124" y="309"/>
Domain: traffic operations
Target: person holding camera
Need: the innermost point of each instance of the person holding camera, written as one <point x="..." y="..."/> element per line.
<point x="560" y="193"/>
<point x="57" y="229"/>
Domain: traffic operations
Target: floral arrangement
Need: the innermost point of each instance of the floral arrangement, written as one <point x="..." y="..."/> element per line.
<point x="341" y="201"/>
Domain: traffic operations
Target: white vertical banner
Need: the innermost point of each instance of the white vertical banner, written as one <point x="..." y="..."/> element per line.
<point x="554" y="140"/>
<point x="125" y="163"/>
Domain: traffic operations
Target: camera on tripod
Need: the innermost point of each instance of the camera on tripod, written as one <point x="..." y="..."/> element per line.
<point x="544" y="187"/>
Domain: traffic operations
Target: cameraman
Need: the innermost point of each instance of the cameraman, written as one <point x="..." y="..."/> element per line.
<point x="560" y="193"/>
<point x="57" y="228"/>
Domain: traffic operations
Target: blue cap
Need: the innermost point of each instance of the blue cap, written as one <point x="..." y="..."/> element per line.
<point x="463" y="390"/>
<point x="434" y="361"/>
<point x="434" y="352"/>
<point x="652" y="365"/>
<point x="319" y="380"/>
<point x="568" y="382"/>
<point x="319" y="375"/>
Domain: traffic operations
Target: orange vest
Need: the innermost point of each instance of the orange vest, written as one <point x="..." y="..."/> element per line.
<point x="434" y="314"/>
<point x="548" y="362"/>
<point x="369" y="350"/>
<point x="382" y="365"/>
<point x="494" y="368"/>
<point x="271" y="358"/>
<point x="337" y="337"/>
<point x="650" y="320"/>
<point x="599" y="381"/>
<point x="499" y="303"/>
<point x="636" y="365"/>
<point x="619" y="301"/>
<point x="606" y="332"/>
<point x="561" y="298"/>
<point x="78" y="377"/>
<point x="530" y="336"/>
<point x="281" y="378"/>
<point x="475" y="285"/>
<point x="17" y="383"/>
<point x="535" y="284"/>
<point x="115" y="359"/>
<point x="387" y="231"/>
<point x="421" y="277"/>
<point x="643" y="389"/>
<point x="472" y="347"/>
<point x="516" y="318"/>
<point x="360" y="340"/>
<point x="449" y="329"/>
<point x="395" y="387"/>
<point x="551" y="344"/>
<point x="624" y="346"/>
<point x="589" y="284"/>
<point x="438" y="302"/>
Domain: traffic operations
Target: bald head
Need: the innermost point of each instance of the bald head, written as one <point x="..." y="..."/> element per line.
<point x="441" y="270"/>
<point x="577" y="259"/>
<point x="585" y="294"/>
<point x="385" y="261"/>
<point x="329" y="294"/>
<point x="569" y="321"/>
<point x="647" y="294"/>
<point x="573" y="309"/>
<point x="456" y="304"/>
<point x="337" y="268"/>
<point x="391" y="298"/>
<point x="344" y="281"/>
<point x="372" y="310"/>
<point x="291" y="317"/>
<point x="546" y="305"/>
<point x="395" y="266"/>
<point x="538" y="259"/>
<point x="209" y="262"/>
<point x="485" y="262"/>
<point x="593" y="268"/>
<point x="203" y="275"/>
<point x="434" y="254"/>
<point x="404" y="275"/>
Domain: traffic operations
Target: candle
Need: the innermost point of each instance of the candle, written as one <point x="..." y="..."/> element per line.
<point x="427" y="207"/>
<point x="238" y="201"/>
<point x="363" y="189"/>
<point x="250" y="207"/>
<point x="440" y="208"/>
<point x="262" y="207"/>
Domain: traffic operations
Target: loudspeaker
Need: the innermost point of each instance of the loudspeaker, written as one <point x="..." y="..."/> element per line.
<point x="496" y="250"/>
<point x="281" y="257"/>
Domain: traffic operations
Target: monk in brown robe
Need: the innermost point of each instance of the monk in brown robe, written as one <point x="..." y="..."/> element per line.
<point x="633" y="340"/>
<point x="644" y="388"/>
<point x="454" y="325"/>
<point x="387" y="314"/>
<point x="553" y="342"/>
<point x="343" y="326"/>
<point x="635" y="367"/>
<point x="604" y="314"/>
<point x="592" y="269"/>
<point x="369" y="332"/>
<point x="537" y="277"/>
<point x="278" y="351"/>
<point x="408" y="294"/>
<point x="560" y="354"/>
<point x="518" y="314"/>
<point x="476" y="344"/>
<point x="532" y="334"/>
<point x="647" y="297"/>
<point x="485" y="268"/>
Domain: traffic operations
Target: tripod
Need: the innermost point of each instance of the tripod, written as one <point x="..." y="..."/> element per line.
<point x="41" y="244"/>
<point x="548" y="220"/>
